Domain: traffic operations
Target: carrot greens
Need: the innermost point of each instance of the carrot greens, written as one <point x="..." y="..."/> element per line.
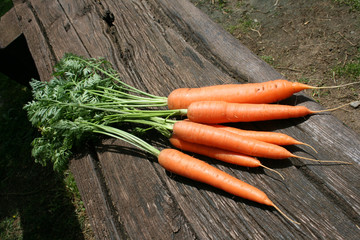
<point x="86" y="96"/>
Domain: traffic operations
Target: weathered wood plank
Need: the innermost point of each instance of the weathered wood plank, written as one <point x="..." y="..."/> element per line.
<point x="82" y="168"/>
<point x="38" y="45"/>
<point x="159" y="45"/>
<point x="98" y="205"/>
<point x="9" y="28"/>
<point x="104" y="223"/>
<point x="215" y="43"/>
<point x="241" y="62"/>
<point x="145" y="206"/>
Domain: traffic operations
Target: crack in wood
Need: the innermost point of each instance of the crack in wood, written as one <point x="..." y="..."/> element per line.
<point x="114" y="216"/>
<point x="43" y="30"/>
<point x="70" y="24"/>
<point x="334" y="198"/>
<point x="125" y="52"/>
<point x="109" y="18"/>
<point x="181" y="217"/>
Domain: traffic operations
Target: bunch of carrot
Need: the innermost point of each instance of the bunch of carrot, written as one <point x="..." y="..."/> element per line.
<point x="231" y="103"/>
<point x="228" y="103"/>
<point x="223" y="104"/>
<point x="201" y="133"/>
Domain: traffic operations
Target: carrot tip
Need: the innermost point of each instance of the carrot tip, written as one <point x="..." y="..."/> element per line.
<point x="273" y="170"/>
<point x="338" y="86"/>
<point x="324" y="161"/>
<point x="330" y="109"/>
<point x="308" y="145"/>
<point x="287" y="217"/>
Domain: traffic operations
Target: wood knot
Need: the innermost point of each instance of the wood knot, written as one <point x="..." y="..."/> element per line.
<point x="109" y="18"/>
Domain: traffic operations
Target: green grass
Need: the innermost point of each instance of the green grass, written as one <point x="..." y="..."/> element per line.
<point x="35" y="202"/>
<point x="222" y="5"/>
<point x="244" y="24"/>
<point x="354" y="4"/>
<point x="10" y="227"/>
<point x="350" y="70"/>
<point x="5" y="5"/>
<point x="268" y="59"/>
<point x="304" y="80"/>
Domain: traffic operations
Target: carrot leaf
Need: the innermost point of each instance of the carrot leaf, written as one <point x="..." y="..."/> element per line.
<point x="86" y="96"/>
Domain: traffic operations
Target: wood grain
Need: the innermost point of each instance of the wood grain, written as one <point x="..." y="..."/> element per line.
<point x="157" y="46"/>
<point x="9" y="28"/>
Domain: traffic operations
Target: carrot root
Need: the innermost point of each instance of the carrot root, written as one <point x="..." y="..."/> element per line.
<point x="308" y="145"/>
<point x="273" y="170"/>
<point x="323" y="161"/>
<point x="284" y="215"/>
<point x="328" y="87"/>
<point x="330" y="109"/>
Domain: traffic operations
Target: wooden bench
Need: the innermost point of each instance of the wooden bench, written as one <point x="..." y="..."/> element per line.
<point x="160" y="45"/>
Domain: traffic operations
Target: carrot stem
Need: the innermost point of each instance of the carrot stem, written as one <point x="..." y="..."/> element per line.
<point x="126" y="137"/>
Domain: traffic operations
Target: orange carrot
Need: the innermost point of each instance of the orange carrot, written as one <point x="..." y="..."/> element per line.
<point x="195" y="169"/>
<point x="265" y="92"/>
<point x="219" y="154"/>
<point x="219" y="138"/>
<point x="265" y="136"/>
<point x="223" y="112"/>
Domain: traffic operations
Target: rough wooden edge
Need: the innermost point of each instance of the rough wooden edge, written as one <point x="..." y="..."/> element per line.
<point x="235" y="57"/>
<point x="38" y="44"/>
<point x="9" y="28"/>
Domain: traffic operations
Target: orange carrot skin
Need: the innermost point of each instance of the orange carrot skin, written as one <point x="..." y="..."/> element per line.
<point x="269" y="137"/>
<point x="266" y="92"/>
<point x="219" y="138"/>
<point x="223" y="112"/>
<point x="184" y="165"/>
<point x="216" y="153"/>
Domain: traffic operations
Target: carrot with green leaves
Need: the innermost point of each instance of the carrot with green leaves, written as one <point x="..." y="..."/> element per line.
<point x="87" y="96"/>
<point x="219" y="154"/>
<point x="265" y="92"/>
<point x="116" y="95"/>
<point x="106" y="92"/>
<point x="69" y="127"/>
<point x="101" y="101"/>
